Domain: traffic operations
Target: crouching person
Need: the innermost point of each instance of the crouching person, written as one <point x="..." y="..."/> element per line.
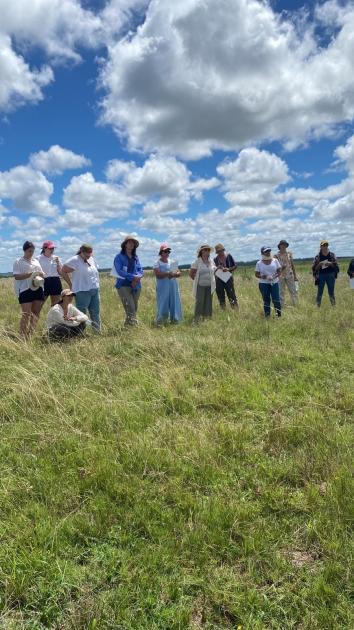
<point x="64" y="320"/>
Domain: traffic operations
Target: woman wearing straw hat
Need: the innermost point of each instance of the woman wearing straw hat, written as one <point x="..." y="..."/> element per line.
<point x="325" y="270"/>
<point x="129" y="272"/>
<point x="28" y="275"/>
<point x="167" y="290"/>
<point x="64" y="320"/>
<point x="288" y="274"/>
<point x="202" y="272"/>
<point x="226" y="265"/>
<point x="268" y="270"/>
<point x="85" y="283"/>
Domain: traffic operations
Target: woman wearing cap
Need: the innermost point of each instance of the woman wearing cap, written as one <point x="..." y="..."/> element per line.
<point x="288" y="274"/>
<point x="28" y="275"/>
<point x="268" y="271"/>
<point x="64" y="320"/>
<point x="52" y="269"/>
<point x="202" y="272"/>
<point x="226" y="264"/>
<point x="167" y="290"/>
<point x="325" y="270"/>
<point x="129" y="273"/>
<point x="85" y="283"/>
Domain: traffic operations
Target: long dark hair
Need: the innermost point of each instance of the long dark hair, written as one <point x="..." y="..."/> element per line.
<point x="124" y="248"/>
<point x="28" y="245"/>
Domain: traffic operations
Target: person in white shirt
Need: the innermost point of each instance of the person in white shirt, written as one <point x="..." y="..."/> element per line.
<point x="202" y="272"/>
<point x="85" y="283"/>
<point x="52" y="268"/>
<point x="64" y="320"/>
<point x="268" y="271"/>
<point x="28" y="273"/>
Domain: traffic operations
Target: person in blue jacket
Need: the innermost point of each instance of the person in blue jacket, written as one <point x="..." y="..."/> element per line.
<point x="129" y="273"/>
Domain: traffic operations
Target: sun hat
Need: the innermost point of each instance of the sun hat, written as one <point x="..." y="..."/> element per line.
<point x="66" y="293"/>
<point x="204" y="246"/>
<point x="164" y="247"/>
<point x="36" y="281"/>
<point x="324" y="242"/>
<point x="219" y="248"/>
<point x="48" y="245"/>
<point x="130" y="238"/>
<point x="283" y="242"/>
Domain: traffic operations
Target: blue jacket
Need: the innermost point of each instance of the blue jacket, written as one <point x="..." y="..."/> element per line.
<point x="122" y="263"/>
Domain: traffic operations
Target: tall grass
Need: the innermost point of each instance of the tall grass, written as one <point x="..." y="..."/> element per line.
<point x="184" y="477"/>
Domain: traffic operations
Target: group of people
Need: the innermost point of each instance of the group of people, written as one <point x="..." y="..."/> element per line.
<point x="36" y="279"/>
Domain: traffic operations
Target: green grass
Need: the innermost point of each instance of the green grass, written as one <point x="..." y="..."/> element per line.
<point x="185" y="477"/>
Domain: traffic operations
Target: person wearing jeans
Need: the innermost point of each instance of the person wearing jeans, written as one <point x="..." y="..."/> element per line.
<point x="325" y="270"/>
<point x="268" y="271"/>
<point x="128" y="270"/>
<point x="85" y="283"/>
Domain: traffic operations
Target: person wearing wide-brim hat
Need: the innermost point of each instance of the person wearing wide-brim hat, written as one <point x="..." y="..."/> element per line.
<point x="202" y="272"/>
<point x="167" y="290"/>
<point x="268" y="270"/>
<point x="288" y="276"/>
<point x="225" y="264"/>
<point x="85" y="283"/>
<point x="64" y="320"/>
<point x="128" y="272"/>
<point x="325" y="270"/>
<point x="28" y="275"/>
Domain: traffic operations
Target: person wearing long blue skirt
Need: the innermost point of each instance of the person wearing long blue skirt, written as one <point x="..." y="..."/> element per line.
<point x="167" y="289"/>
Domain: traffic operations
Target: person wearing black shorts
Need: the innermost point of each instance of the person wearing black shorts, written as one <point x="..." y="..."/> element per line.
<point x="52" y="268"/>
<point x="30" y="299"/>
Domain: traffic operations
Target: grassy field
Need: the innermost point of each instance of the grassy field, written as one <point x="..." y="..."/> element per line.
<point x="184" y="477"/>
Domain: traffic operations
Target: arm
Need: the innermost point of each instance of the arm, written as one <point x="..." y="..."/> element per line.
<point x="118" y="265"/>
<point x="293" y="268"/>
<point x="162" y="274"/>
<point x="233" y="265"/>
<point x="78" y="316"/>
<point x="316" y="265"/>
<point x="192" y="272"/>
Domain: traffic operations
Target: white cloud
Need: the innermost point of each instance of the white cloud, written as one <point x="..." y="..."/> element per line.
<point x="56" y="160"/>
<point x="203" y="75"/>
<point x="28" y="189"/>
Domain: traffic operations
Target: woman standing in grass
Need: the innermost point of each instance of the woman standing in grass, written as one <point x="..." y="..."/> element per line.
<point x="325" y="270"/>
<point x="268" y="270"/>
<point x="129" y="273"/>
<point x="167" y="289"/>
<point x="202" y="272"/>
<point x="85" y="283"/>
<point x="288" y="274"/>
<point x="28" y="275"/>
<point x="225" y="263"/>
<point x="52" y="269"/>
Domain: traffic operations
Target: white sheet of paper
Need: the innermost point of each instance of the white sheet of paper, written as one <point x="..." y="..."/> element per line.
<point x="223" y="275"/>
<point x="351" y="282"/>
<point x="174" y="265"/>
<point x="113" y="272"/>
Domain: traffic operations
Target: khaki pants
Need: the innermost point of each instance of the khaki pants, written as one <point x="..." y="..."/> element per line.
<point x="290" y="283"/>
<point x="129" y="300"/>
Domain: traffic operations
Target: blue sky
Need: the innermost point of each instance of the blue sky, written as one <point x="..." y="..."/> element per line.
<point x="187" y="122"/>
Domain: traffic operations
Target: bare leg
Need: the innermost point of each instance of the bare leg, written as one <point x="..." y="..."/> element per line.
<point x="35" y="312"/>
<point x="25" y="319"/>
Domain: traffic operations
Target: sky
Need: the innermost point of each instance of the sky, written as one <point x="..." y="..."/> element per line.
<point x="197" y="121"/>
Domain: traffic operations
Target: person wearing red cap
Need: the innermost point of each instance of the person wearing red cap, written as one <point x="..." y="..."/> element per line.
<point x="52" y="269"/>
<point x="167" y="290"/>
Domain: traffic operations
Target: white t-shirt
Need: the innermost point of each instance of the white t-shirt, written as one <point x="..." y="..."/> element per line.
<point x="85" y="275"/>
<point x="21" y="265"/>
<point x="268" y="270"/>
<point x="56" y="316"/>
<point x="49" y="266"/>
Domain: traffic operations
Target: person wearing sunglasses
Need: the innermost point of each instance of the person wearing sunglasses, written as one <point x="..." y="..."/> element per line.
<point x="85" y="283"/>
<point x="52" y="268"/>
<point x="325" y="270"/>
<point x="167" y="290"/>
